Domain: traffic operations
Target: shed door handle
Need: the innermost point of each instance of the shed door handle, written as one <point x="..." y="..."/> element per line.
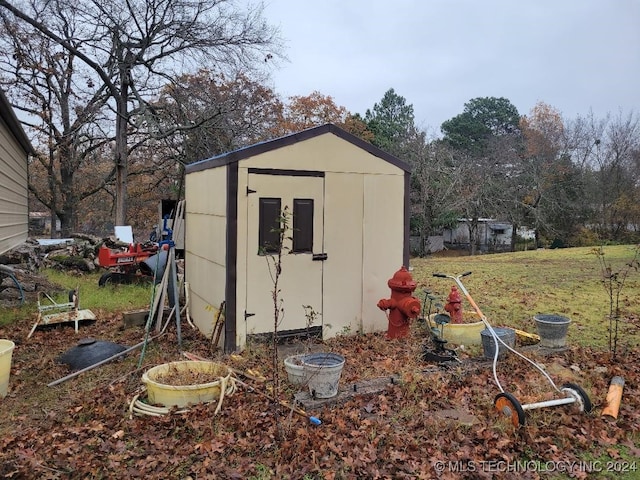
<point x="319" y="256"/>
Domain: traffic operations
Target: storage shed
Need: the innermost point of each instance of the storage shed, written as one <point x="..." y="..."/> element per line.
<point x="15" y="149"/>
<point x="349" y="234"/>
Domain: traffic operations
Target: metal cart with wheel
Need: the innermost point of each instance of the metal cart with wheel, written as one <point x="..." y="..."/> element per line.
<point x="506" y="403"/>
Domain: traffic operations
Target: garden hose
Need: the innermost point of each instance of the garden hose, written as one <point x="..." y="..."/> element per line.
<point x="138" y="407"/>
<point x="10" y="273"/>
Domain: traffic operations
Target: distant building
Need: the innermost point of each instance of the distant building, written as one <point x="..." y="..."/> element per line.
<point x="526" y="233"/>
<point x="492" y="235"/>
<point x="40" y="224"/>
<point x="432" y="244"/>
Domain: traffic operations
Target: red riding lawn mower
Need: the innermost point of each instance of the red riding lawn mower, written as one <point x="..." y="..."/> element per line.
<point x="129" y="264"/>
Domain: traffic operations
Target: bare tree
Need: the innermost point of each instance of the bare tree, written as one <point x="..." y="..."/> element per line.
<point x="549" y="185"/>
<point x="618" y="178"/>
<point x="63" y="114"/>
<point x="606" y="150"/>
<point x="435" y="184"/>
<point x="134" y="47"/>
<point x="487" y="139"/>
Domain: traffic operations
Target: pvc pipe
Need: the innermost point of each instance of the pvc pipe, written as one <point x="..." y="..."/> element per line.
<point x="614" y="397"/>
<point x="549" y="403"/>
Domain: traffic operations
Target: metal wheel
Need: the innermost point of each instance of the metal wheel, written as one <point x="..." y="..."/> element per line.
<point x="508" y="406"/>
<point x="582" y="399"/>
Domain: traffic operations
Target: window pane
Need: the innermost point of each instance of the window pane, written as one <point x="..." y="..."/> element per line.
<point x="302" y="225"/>
<point x="269" y="225"/>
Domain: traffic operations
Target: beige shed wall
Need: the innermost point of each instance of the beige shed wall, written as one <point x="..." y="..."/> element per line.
<point x="363" y="229"/>
<point x="364" y="243"/>
<point x="383" y="243"/>
<point x="342" y="282"/>
<point x="327" y="153"/>
<point x="205" y="244"/>
<point x="14" y="210"/>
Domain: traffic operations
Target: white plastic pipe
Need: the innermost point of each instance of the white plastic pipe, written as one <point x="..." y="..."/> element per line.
<point x="549" y="403"/>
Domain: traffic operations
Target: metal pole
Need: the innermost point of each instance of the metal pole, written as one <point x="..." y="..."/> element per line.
<point x="173" y="272"/>
<point x="101" y="362"/>
<point x="549" y="403"/>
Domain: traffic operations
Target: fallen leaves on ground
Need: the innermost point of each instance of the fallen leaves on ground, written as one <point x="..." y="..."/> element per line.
<point x="82" y="428"/>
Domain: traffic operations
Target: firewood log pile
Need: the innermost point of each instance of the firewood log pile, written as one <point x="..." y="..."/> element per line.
<point x="21" y="275"/>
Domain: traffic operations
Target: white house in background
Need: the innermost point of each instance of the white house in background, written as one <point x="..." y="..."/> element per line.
<point x="526" y="233"/>
<point x="349" y="233"/>
<point x="15" y="149"/>
<point x="492" y="235"/>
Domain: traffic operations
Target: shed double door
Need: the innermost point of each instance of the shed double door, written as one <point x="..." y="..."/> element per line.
<point x="301" y="194"/>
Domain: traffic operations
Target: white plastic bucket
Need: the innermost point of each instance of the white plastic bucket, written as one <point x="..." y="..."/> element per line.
<point x="295" y="369"/>
<point x="322" y="373"/>
<point x="6" y="352"/>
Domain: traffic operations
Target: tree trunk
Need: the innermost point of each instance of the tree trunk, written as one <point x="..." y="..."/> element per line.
<point x="67" y="219"/>
<point x="121" y="153"/>
<point x="422" y="251"/>
<point x="473" y="236"/>
<point x="54" y="220"/>
<point x="54" y="192"/>
<point x="514" y="234"/>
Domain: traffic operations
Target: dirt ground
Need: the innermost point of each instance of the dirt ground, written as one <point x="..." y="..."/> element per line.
<point x="436" y="422"/>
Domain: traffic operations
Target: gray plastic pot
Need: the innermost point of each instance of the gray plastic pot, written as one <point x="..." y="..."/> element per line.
<point x="552" y="330"/>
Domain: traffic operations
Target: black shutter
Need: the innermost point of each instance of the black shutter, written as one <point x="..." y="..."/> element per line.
<point x="269" y="225"/>
<point x="302" y="225"/>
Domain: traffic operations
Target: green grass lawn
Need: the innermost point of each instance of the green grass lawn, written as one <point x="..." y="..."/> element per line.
<point x="111" y="298"/>
<point x="511" y="288"/>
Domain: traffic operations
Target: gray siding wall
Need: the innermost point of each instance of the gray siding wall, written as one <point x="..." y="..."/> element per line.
<point x="14" y="210"/>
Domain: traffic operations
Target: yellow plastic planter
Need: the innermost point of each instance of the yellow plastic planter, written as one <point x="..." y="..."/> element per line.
<point x="183" y="395"/>
<point x="6" y="352"/>
<point x="467" y="333"/>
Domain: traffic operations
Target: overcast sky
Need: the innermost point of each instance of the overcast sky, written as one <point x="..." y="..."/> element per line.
<point x="575" y="55"/>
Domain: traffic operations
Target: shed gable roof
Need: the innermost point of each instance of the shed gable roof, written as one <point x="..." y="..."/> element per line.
<point x="262" y="147"/>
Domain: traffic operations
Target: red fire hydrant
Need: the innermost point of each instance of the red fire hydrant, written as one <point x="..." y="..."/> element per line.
<point x="454" y="305"/>
<point x="402" y="305"/>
